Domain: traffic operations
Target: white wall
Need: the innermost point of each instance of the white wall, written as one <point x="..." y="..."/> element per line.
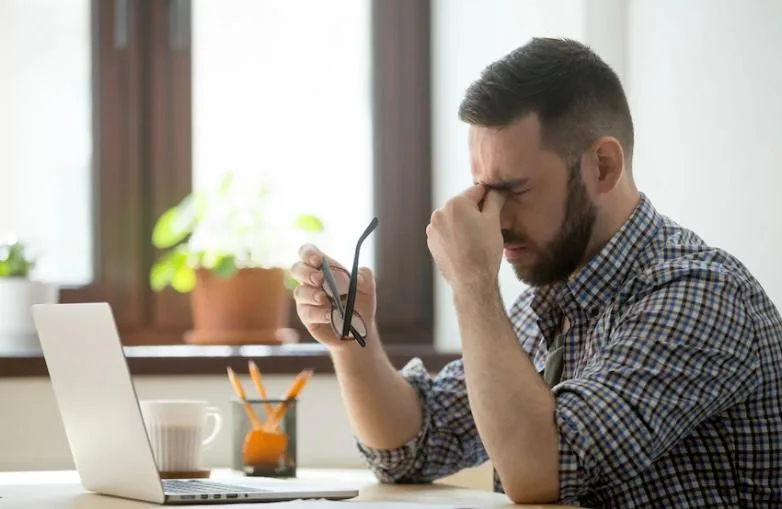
<point x="32" y="436"/>
<point x="705" y="85"/>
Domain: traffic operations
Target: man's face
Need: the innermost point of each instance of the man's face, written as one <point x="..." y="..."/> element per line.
<point x="548" y="216"/>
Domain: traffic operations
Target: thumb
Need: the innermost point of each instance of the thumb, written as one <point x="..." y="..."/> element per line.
<point x="492" y="203"/>
<point x="366" y="279"/>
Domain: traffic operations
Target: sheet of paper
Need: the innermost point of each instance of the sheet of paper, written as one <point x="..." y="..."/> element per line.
<point x="343" y="504"/>
<point x="358" y="504"/>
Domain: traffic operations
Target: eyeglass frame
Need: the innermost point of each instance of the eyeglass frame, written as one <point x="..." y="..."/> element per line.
<point x="335" y="298"/>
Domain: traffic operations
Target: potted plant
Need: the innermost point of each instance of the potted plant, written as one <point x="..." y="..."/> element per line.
<point x="226" y="248"/>
<point x="18" y="292"/>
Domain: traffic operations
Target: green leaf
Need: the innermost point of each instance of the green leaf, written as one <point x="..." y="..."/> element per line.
<point x="163" y="270"/>
<point x="225" y="267"/>
<point x="14" y="262"/>
<point x="160" y="275"/>
<point x="184" y="279"/>
<point x="308" y="223"/>
<point x="175" y="224"/>
<point x="166" y="268"/>
<point x="226" y="183"/>
<point x="290" y="282"/>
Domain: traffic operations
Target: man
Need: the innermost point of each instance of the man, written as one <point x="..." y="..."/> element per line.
<point x="641" y="368"/>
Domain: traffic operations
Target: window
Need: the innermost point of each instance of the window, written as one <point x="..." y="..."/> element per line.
<point x="284" y="98"/>
<point x="45" y="134"/>
<point x="177" y="98"/>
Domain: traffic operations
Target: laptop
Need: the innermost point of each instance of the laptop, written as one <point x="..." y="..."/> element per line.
<point x="105" y="428"/>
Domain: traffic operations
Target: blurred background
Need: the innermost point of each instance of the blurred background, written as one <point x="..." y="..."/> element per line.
<point x="113" y="111"/>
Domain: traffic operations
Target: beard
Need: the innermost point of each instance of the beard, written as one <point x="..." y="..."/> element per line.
<point x="558" y="259"/>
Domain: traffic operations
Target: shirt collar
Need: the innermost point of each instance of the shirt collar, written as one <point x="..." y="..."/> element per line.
<point x="596" y="283"/>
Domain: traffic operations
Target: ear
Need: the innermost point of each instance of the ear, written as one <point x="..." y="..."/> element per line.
<point x="609" y="158"/>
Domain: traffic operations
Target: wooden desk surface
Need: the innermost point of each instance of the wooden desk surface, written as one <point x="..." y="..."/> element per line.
<point x="62" y="490"/>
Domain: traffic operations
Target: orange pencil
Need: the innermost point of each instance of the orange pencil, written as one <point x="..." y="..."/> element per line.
<point x="256" y="423"/>
<point x="293" y="392"/>
<point x="255" y="374"/>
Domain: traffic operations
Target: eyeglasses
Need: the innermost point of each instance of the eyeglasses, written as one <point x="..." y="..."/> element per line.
<point x="346" y="322"/>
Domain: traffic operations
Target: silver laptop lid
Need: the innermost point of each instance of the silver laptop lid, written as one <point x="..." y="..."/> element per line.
<point x="97" y="400"/>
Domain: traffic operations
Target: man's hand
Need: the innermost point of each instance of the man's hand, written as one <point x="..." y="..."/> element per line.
<point x="465" y="238"/>
<point x="313" y="306"/>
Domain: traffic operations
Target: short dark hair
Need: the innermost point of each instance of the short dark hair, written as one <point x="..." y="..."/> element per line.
<point x="575" y="94"/>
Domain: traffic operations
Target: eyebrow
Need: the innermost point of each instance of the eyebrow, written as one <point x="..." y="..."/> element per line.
<point x="505" y="185"/>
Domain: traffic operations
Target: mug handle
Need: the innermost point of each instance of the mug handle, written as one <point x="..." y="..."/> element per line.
<point x="218" y="423"/>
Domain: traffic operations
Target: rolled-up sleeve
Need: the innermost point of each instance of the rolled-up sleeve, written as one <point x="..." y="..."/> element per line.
<point x="448" y="440"/>
<point x="674" y="358"/>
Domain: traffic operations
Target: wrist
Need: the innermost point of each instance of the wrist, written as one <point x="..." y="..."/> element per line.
<point x="351" y="359"/>
<point x="348" y="347"/>
<point x="480" y="289"/>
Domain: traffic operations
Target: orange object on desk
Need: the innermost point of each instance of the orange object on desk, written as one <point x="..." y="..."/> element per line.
<point x="264" y="448"/>
<point x="264" y="444"/>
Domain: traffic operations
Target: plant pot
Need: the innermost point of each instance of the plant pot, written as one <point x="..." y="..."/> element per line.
<point x="17" y="295"/>
<point x="251" y="307"/>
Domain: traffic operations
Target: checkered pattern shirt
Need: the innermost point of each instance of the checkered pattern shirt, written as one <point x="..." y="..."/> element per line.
<point x="671" y="391"/>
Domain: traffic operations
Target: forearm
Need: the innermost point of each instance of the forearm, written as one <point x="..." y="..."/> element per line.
<point x="512" y="406"/>
<point x="383" y="408"/>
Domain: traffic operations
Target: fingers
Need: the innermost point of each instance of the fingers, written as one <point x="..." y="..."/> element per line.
<point x="475" y="193"/>
<point x="310" y="295"/>
<point x="472" y="197"/>
<point x="366" y="280"/>
<point x="493" y="202"/>
<point x="310" y="255"/>
<point x="307" y="269"/>
<point x="306" y="274"/>
<point x="313" y="315"/>
<point x="310" y="277"/>
<point x="487" y="200"/>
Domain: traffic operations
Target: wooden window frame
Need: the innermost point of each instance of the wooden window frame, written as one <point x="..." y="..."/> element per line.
<point x="142" y="125"/>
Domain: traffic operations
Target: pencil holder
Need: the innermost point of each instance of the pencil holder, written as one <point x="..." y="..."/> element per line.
<point x="266" y="452"/>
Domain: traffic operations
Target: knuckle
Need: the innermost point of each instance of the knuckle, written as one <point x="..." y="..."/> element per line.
<point x="298" y="293"/>
<point x="309" y="254"/>
<point x="310" y="314"/>
<point x="300" y="271"/>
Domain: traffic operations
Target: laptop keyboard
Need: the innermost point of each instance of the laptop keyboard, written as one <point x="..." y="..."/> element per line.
<point x="197" y="486"/>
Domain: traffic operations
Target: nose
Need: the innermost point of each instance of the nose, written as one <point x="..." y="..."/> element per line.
<point x="506" y="218"/>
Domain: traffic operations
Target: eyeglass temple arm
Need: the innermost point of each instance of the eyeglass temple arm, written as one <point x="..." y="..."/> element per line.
<point x="328" y="276"/>
<point x="354" y="278"/>
<point x="358" y="337"/>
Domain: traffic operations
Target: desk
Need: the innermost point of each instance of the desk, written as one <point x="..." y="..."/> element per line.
<point x="62" y="490"/>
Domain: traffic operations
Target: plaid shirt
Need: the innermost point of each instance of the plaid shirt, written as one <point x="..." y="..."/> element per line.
<point x="671" y="391"/>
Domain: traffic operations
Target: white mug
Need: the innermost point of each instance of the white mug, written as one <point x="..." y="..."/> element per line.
<point x="176" y="430"/>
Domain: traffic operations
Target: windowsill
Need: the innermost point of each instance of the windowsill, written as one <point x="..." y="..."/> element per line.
<point x="213" y="360"/>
